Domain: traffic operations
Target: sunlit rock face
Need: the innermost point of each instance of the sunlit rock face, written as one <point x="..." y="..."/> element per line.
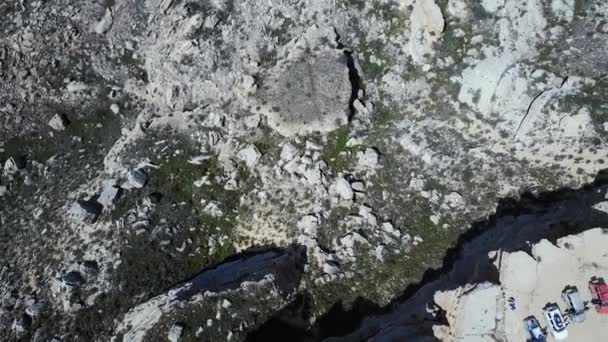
<point x="310" y="95"/>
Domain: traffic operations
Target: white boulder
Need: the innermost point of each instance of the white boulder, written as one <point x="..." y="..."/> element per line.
<point x="176" y="332"/>
<point x="58" y="122"/>
<point x="343" y="189"/>
<point x="249" y="155"/>
<point x="137" y="178"/>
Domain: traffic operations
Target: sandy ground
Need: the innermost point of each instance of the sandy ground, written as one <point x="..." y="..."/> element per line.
<point x="533" y="284"/>
<point x="481" y="312"/>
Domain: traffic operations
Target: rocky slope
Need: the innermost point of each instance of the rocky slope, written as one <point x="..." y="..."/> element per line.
<point x="308" y="149"/>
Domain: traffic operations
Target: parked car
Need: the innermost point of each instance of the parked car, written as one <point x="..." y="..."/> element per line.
<point x="556" y="321"/>
<point x="535" y="332"/>
<point x="575" y="305"/>
<point x="599" y="294"/>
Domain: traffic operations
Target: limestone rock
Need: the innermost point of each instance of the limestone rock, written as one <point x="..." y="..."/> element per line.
<point x="74" y="279"/>
<point x="137" y="178"/>
<point x="109" y="193"/>
<point x="176" y="332"/>
<point x="367" y="159"/>
<point x="59" y="122"/>
<point x="427" y="24"/>
<point x="288" y="152"/>
<point x="250" y="155"/>
<point x="85" y="211"/>
<point x="105" y="23"/>
<point x="343" y="189"/>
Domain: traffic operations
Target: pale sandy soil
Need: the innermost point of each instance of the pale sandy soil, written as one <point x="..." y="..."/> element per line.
<point x="481" y="312"/>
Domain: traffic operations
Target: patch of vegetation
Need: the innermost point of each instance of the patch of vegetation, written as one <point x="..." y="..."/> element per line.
<point x="92" y="133"/>
<point x="175" y="246"/>
<point x="398" y="270"/>
<point x="581" y="7"/>
<point x="547" y="179"/>
<point x="181" y="211"/>
<point x="337" y="154"/>
<point x="390" y="13"/>
<point x="385" y="115"/>
<point x="375" y="61"/>
<point x="455" y="44"/>
<point x="396" y="273"/>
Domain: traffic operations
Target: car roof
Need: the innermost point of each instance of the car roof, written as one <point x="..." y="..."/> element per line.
<point x="576" y="300"/>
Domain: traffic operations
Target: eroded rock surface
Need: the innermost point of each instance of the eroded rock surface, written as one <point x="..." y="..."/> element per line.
<point x="142" y="142"/>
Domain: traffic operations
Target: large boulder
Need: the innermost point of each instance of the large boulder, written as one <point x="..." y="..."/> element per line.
<point x="85" y="211"/>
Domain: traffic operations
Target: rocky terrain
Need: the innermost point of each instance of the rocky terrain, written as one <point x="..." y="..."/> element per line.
<point x="243" y="170"/>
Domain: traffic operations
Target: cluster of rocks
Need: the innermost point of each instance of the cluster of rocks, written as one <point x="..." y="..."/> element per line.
<point x="88" y="208"/>
<point x="19" y="169"/>
<point x="359" y="234"/>
<point x="17" y="310"/>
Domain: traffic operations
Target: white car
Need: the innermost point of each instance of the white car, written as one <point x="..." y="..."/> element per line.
<point x="556" y="321"/>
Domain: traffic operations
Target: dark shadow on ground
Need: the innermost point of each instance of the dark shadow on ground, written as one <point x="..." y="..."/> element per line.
<point x="528" y="219"/>
<point x="285" y="264"/>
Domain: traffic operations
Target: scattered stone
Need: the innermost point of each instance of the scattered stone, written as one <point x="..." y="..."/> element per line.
<point x="214" y="209"/>
<point x="311" y="146"/>
<point x="3" y="190"/>
<point x="10" y="167"/>
<point x="165" y="5"/>
<point x="379" y="252"/>
<point x="105" y="23"/>
<point x="199" y="159"/>
<point x="115" y="109"/>
<point x="358" y="186"/>
<point x="288" y="152"/>
<point x="74" y="279"/>
<point x="454" y="200"/>
<point x="308" y="225"/>
<point x="84" y="211"/>
<point x="343" y="189"/>
<point x="390" y="229"/>
<point x="331" y="267"/>
<point x="28" y="180"/>
<point x="367" y="159"/>
<point x="226" y="304"/>
<point x="22" y="324"/>
<point x="252" y="121"/>
<point x="110" y="192"/>
<point x="8" y="300"/>
<point x="435" y="219"/>
<point x="601" y="206"/>
<point x="89" y="267"/>
<point x="35" y="309"/>
<point x="59" y="122"/>
<point x="137" y="178"/>
<point x="250" y="155"/>
<point x="202" y="181"/>
<point x="176" y="332"/>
